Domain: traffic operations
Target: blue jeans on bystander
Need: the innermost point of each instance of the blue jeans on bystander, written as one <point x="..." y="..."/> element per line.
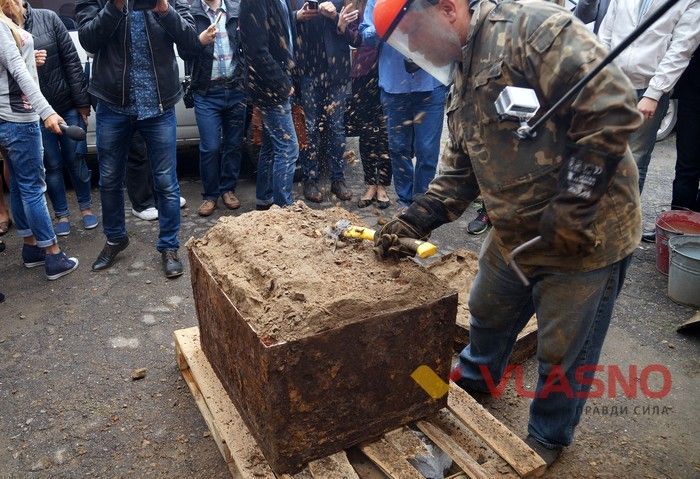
<point x="22" y="142"/>
<point x="278" y="157"/>
<point x="414" y="127"/>
<point x="114" y="131"/>
<point x="220" y="113"/>
<point x="61" y="153"/>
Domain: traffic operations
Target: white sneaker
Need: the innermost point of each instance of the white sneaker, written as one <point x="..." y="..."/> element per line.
<point x="149" y="214"/>
<point x="183" y="202"/>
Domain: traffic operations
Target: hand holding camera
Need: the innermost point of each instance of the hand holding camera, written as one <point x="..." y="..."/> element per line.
<point x="308" y="11"/>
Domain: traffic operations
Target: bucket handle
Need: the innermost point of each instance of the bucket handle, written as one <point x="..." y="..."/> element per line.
<point x="668" y="226"/>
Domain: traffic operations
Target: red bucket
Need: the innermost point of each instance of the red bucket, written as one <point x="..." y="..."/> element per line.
<point x="669" y="224"/>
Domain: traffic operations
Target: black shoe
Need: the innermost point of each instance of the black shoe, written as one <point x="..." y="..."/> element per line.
<point x="109" y="254"/>
<point x="311" y="191"/>
<point x="2" y="298"/>
<point x="479" y="224"/>
<point x="341" y="190"/>
<point x="2" y="246"/>
<point x="262" y="207"/>
<point x="548" y="455"/>
<point x="649" y="236"/>
<point x="172" y="266"/>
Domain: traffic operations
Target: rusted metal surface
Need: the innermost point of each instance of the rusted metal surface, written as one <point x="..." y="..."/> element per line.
<point x="306" y="399"/>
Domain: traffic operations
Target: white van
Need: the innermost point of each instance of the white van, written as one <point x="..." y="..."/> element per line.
<point x="187" y="132"/>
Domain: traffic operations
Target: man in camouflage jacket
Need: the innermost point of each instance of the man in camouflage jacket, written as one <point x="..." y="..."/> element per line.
<point x="575" y="184"/>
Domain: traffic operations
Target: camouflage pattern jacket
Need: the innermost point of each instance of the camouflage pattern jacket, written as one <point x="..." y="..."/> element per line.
<point x="539" y="45"/>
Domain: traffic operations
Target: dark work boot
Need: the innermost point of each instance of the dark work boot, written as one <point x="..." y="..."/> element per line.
<point x="109" y="254"/>
<point x="548" y="454"/>
<point x="341" y="190"/>
<point x="311" y="191"/>
<point x="172" y="266"/>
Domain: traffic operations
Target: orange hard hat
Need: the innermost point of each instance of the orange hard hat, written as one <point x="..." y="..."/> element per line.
<point x="388" y="14"/>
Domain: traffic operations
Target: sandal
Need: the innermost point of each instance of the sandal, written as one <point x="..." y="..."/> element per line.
<point x="5" y="226"/>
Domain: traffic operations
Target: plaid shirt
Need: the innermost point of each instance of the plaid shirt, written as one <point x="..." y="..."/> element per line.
<point x="223" y="65"/>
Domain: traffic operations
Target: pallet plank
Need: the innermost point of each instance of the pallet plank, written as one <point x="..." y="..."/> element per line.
<point x="492" y="463"/>
<point x="335" y="466"/>
<point x="509" y="446"/>
<point x="390" y="460"/>
<point x="241" y="453"/>
<point x="458" y="455"/>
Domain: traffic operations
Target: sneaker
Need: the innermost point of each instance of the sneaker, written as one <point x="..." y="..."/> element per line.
<point x="62" y="228"/>
<point x="172" y="266"/>
<point x="33" y="256"/>
<point x="649" y="236"/>
<point x="230" y="200"/>
<point x="149" y="214"/>
<point x="479" y="224"/>
<point x="207" y="208"/>
<point x="341" y="190"/>
<point x="548" y="454"/>
<point x="311" y="191"/>
<point x="183" y="202"/>
<point x="59" y="265"/>
<point x="90" y="222"/>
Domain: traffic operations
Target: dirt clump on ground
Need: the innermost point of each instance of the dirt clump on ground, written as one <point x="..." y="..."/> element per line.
<point x="458" y="269"/>
<point x="289" y="280"/>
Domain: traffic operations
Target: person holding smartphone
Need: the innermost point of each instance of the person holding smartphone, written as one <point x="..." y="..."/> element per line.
<point x="136" y="91"/>
<point x="323" y="65"/>
<point x="219" y="85"/>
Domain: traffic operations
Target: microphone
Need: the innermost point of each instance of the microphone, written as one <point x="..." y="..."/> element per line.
<point x="73" y="132"/>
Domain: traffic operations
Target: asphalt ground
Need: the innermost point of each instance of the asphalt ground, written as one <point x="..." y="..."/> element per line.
<point x="69" y="408"/>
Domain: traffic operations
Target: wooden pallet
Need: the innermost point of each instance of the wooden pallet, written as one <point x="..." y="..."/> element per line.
<point x="464" y="430"/>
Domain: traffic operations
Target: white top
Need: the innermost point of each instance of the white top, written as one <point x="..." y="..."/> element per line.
<point x="656" y="60"/>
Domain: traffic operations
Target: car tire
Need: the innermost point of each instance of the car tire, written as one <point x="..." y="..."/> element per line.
<point x="669" y="121"/>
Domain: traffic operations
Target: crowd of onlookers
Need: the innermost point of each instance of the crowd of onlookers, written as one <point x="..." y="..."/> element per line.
<point x="315" y="72"/>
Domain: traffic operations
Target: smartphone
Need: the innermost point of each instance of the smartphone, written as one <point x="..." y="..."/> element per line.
<point x="144" y="4"/>
<point x="313" y="4"/>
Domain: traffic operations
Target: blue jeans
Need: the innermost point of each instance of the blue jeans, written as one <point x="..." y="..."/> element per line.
<point x="324" y="110"/>
<point x="407" y="138"/>
<point x="22" y="142"/>
<point x="573" y="314"/>
<point x="220" y="113"/>
<point x="278" y="157"/>
<point x="643" y="140"/>
<point x="114" y="131"/>
<point x="61" y="153"/>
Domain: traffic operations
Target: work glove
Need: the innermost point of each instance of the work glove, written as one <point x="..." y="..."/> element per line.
<point x="417" y="222"/>
<point x="566" y="224"/>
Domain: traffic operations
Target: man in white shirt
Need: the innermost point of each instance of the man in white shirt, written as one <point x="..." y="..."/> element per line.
<point x="654" y="62"/>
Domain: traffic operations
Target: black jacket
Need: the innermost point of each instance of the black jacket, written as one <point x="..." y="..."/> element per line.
<point x="265" y="38"/>
<point x="103" y="30"/>
<point x="200" y="60"/>
<point x="321" y="50"/>
<point x="61" y="78"/>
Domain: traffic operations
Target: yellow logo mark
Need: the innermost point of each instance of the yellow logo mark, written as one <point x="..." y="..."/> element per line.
<point x="430" y="382"/>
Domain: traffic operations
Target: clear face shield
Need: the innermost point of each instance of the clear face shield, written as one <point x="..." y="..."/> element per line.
<point x="425" y="36"/>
